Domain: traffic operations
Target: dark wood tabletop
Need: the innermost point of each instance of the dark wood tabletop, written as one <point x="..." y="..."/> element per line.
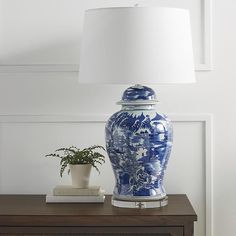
<point x="19" y="211"/>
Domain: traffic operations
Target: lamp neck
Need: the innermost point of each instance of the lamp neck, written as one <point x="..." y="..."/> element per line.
<point x="138" y="107"/>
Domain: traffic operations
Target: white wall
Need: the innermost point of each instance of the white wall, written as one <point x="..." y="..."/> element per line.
<point x="48" y="32"/>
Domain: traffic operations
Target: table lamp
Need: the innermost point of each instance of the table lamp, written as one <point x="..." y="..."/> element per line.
<point x="140" y="46"/>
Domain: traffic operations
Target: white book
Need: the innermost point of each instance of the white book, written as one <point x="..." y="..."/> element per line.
<point x="75" y="199"/>
<point x="69" y="190"/>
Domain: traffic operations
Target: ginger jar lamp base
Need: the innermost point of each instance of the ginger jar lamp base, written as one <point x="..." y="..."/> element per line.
<point x="138" y="142"/>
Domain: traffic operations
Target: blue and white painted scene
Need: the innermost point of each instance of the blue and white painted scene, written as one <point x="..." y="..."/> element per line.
<point x="138" y="142"/>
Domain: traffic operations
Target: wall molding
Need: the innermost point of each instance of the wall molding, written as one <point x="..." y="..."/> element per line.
<point x="206" y="36"/>
<point x="206" y="65"/>
<point x="206" y="119"/>
<point x="37" y="68"/>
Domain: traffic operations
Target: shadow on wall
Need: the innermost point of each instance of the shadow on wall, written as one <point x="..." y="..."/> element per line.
<point x="64" y="51"/>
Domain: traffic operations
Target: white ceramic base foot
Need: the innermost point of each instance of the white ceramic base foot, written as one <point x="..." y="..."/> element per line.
<point x="140" y="204"/>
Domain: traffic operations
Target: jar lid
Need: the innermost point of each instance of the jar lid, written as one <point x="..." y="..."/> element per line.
<point x="138" y="95"/>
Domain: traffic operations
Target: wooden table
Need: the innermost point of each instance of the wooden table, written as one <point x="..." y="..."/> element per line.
<point x="29" y="214"/>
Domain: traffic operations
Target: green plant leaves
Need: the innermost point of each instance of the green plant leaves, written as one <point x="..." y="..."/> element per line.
<point x="75" y="156"/>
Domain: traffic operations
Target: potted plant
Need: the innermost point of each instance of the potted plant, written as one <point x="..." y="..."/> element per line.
<point x="80" y="162"/>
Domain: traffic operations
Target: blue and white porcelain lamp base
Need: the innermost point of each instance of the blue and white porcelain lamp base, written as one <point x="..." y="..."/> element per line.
<point x="138" y="142"/>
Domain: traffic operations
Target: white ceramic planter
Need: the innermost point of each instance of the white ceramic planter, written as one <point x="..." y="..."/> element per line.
<point x="80" y="175"/>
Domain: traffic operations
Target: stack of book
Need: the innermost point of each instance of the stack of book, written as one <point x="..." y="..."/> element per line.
<point x="70" y="194"/>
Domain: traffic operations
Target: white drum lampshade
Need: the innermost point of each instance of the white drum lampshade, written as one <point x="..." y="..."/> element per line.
<point x="136" y="45"/>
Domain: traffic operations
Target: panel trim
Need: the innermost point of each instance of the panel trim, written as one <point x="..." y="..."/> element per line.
<point x="206" y="10"/>
<point x="206" y="36"/>
<point x="207" y="119"/>
<point x="27" y="68"/>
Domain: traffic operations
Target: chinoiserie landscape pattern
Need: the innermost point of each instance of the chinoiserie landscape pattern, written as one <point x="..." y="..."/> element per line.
<point x="138" y="143"/>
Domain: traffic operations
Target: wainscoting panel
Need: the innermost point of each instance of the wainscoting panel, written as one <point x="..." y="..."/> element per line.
<point x="44" y="36"/>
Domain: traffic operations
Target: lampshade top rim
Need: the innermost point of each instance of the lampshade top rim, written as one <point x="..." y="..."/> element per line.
<point x="138" y="7"/>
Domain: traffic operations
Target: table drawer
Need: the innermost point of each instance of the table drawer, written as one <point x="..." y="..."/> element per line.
<point x="115" y="231"/>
